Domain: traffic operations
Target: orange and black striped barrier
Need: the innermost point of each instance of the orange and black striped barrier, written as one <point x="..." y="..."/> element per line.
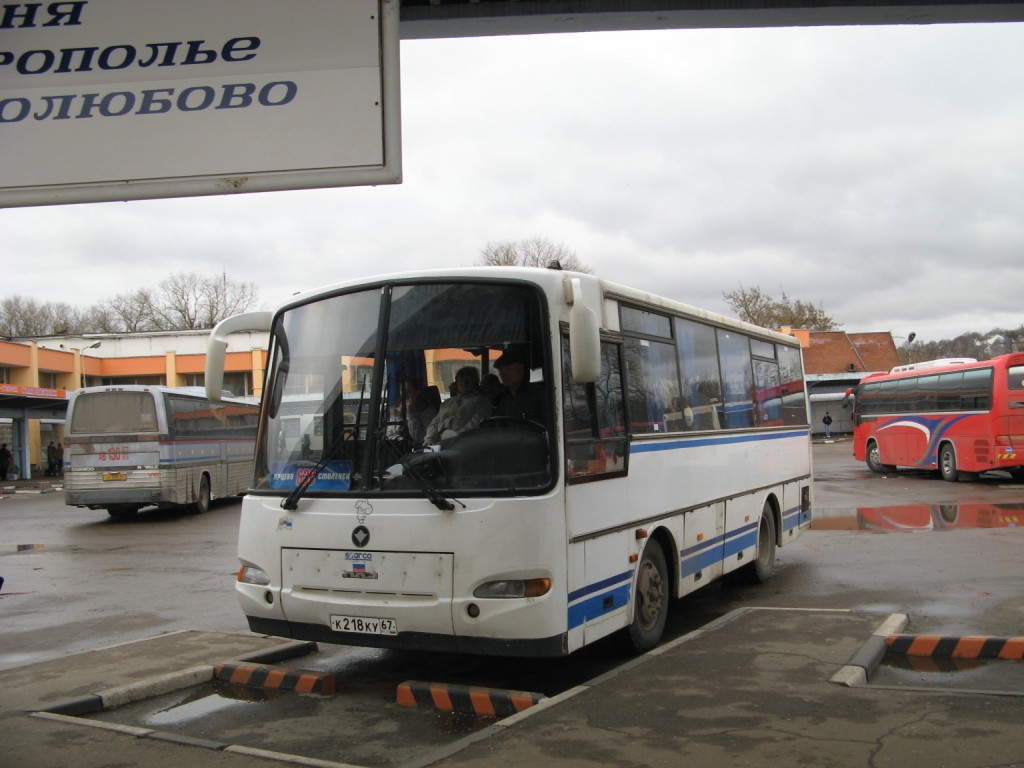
<point x="937" y="646"/>
<point x="482" y="702"/>
<point x="263" y="676"/>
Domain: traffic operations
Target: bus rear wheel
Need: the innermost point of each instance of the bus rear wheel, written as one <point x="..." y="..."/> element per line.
<point x="763" y="566"/>
<point x="202" y="502"/>
<point x="650" y="605"/>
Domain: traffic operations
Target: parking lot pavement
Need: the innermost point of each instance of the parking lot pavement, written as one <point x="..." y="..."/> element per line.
<point x="754" y="687"/>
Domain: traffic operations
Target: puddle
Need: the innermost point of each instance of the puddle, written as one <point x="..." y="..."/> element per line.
<point x="205" y="701"/>
<point x="919" y="517"/>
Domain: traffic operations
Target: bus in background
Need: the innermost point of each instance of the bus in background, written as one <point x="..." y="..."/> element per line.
<point x="958" y="416"/>
<point x="630" y="459"/>
<point x="133" y="446"/>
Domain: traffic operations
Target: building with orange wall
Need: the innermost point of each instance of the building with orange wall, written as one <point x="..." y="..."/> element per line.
<point x="36" y="375"/>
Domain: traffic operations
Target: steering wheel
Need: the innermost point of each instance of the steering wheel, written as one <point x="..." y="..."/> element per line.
<point x="512" y="421"/>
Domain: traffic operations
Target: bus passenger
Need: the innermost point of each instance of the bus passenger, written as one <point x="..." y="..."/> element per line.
<point x="463" y="411"/>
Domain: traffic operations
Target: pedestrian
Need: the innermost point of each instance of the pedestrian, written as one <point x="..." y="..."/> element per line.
<point x="6" y="459"/>
<point x="51" y="460"/>
<point x="827" y="421"/>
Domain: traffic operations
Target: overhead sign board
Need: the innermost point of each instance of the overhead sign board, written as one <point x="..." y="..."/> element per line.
<point x="124" y="99"/>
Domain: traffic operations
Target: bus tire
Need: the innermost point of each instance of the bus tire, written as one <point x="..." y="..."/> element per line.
<point x="650" y="604"/>
<point x="763" y="566"/>
<point x="202" y="502"/>
<point x="873" y="459"/>
<point x="947" y="463"/>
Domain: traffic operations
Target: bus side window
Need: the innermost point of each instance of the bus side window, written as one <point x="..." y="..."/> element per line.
<point x="595" y="423"/>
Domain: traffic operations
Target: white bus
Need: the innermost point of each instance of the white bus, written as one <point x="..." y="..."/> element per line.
<point x="663" y="447"/>
<point x="133" y="446"/>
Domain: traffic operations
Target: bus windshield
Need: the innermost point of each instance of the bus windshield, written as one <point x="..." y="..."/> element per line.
<point x="359" y="393"/>
<point x="114" y="413"/>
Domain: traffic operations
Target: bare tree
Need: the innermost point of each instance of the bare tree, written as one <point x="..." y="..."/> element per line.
<point x="27" y="317"/>
<point x="225" y="297"/>
<point x="757" y="307"/>
<point x="533" y="252"/>
<point x="188" y="301"/>
<point x="132" y="312"/>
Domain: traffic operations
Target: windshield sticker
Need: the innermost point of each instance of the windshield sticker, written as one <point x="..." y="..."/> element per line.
<point x="332" y="476"/>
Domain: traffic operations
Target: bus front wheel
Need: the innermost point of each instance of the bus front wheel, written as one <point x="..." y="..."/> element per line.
<point x="947" y="464"/>
<point x="874" y="459"/>
<point x="650" y="609"/>
<point x="202" y="503"/>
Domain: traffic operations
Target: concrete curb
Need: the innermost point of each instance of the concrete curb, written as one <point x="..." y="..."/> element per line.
<point x="172" y="681"/>
<point x="863" y="664"/>
<point x="473" y="700"/>
<point x="275" y="678"/>
<point x="969" y="647"/>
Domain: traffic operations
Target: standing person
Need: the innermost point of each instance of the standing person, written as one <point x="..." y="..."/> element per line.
<point x="5" y="461"/>
<point x="51" y="460"/>
<point x="60" y="459"/>
<point x="827" y="421"/>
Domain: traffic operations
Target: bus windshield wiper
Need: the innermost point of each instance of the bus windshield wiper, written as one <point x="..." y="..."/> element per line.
<point x="291" y="501"/>
<point x="436" y="496"/>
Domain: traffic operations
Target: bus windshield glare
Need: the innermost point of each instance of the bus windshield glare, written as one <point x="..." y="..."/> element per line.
<point x="359" y="401"/>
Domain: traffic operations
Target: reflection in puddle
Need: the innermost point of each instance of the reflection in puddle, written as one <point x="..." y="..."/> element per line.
<point x="919" y="517"/>
<point x="202" y="703"/>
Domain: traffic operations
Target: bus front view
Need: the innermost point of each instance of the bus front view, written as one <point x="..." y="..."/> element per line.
<point x="404" y="491"/>
<point x="511" y="461"/>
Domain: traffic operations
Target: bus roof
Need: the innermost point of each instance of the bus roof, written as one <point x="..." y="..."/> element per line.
<point x="552" y="281"/>
<point x="197" y="392"/>
<point x="943" y="362"/>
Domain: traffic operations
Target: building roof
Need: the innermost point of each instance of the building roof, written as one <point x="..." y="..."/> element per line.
<point x="840" y="352"/>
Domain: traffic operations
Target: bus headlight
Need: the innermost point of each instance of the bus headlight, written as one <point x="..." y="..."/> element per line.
<point x="514" y="588"/>
<point x="250" y="574"/>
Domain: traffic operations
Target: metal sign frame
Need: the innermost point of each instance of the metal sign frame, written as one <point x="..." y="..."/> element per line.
<point x="223" y="101"/>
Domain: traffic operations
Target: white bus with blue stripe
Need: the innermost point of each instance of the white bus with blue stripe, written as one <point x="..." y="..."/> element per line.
<point x="135" y="446"/>
<point x="652" y="449"/>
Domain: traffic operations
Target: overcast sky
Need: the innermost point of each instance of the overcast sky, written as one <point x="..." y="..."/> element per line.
<point x="875" y="171"/>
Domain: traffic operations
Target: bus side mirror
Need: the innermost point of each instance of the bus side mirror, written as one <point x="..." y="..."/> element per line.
<point x="217" y="347"/>
<point x="584" y="339"/>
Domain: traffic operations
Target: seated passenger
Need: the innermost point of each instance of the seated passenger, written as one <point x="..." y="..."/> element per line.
<point x="414" y="411"/>
<point x="463" y="411"/>
<point x="521" y="399"/>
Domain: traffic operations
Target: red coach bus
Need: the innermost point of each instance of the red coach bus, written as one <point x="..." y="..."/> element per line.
<point x="960" y="417"/>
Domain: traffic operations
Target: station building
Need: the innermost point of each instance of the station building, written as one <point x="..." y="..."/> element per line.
<point x="36" y="375"/>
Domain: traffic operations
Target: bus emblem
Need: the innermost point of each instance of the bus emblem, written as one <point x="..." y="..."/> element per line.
<point x="361" y="536"/>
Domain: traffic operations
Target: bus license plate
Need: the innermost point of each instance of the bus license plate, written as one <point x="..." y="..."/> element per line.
<point x="115" y="475"/>
<point x="366" y="625"/>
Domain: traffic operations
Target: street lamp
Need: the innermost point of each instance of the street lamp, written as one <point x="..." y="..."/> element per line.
<point x="94" y="345"/>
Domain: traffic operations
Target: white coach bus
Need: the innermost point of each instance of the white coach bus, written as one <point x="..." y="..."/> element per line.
<point x="133" y="446"/>
<point x="651" y="449"/>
